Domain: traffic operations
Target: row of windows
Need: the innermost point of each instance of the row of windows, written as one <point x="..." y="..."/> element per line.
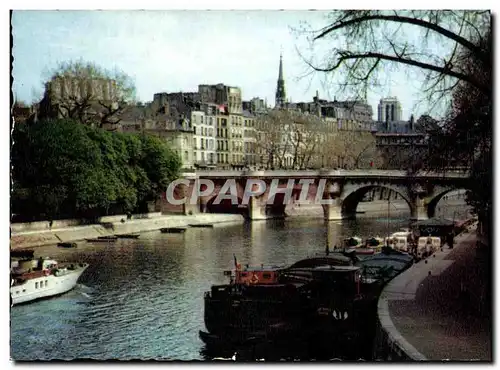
<point x="222" y="122"/>
<point x="222" y="158"/>
<point x="222" y="145"/>
<point x="201" y="119"/>
<point x="250" y="147"/>
<point x="237" y="158"/>
<point x="205" y="144"/>
<point x="42" y="284"/>
<point x="204" y="131"/>
<point x="237" y="146"/>
<point x="222" y="132"/>
<point x="202" y="157"/>
<point x="249" y="123"/>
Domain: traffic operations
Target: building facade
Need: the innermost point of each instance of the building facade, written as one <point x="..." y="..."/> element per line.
<point x="389" y="110"/>
<point x="204" y="135"/>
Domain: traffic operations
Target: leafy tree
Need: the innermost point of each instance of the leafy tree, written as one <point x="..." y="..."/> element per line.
<point x="64" y="169"/>
<point x="159" y="165"/>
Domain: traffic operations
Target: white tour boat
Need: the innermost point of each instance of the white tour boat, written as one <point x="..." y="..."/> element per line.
<point x="33" y="279"/>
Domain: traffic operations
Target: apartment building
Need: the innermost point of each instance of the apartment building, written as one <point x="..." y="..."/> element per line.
<point x="204" y="122"/>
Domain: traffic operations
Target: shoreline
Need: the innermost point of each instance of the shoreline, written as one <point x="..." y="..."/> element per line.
<point x="40" y="233"/>
<point x="39" y="238"/>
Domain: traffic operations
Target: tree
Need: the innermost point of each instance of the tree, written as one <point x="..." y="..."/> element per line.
<point x="350" y="149"/>
<point x="62" y="168"/>
<point x="85" y="92"/>
<point x="452" y="50"/>
<point x="291" y="139"/>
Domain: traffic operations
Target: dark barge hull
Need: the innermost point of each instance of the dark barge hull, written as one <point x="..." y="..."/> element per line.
<point x="276" y="316"/>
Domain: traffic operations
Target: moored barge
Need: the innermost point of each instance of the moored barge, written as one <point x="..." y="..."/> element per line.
<point x="315" y="298"/>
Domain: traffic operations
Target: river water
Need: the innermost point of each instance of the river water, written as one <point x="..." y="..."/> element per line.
<point x="143" y="299"/>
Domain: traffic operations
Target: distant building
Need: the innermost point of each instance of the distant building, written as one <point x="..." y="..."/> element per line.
<point x="64" y="93"/>
<point x="249" y="139"/>
<point x="255" y="106"/>
<point x="21" y="113"/>
<point x="204" y="127"/>
<point x="280" y="87"/>
<point x="177" y="132"/>
<point x="401" y="143"/>
<point x="389" y="110"/>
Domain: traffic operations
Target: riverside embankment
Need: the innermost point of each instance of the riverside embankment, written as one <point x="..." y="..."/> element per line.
<point x="438" y="309"/>
<point x="29" y="235"/>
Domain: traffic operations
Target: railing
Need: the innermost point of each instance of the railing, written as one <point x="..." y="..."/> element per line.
<point x="329" y="173"/>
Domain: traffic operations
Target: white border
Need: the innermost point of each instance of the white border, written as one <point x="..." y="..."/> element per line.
<point x="194" y="4"/>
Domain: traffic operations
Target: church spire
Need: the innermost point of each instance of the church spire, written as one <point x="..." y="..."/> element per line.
<point x="280" y="88"/>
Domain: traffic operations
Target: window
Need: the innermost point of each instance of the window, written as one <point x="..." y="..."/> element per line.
<point x="46" y="282"/>
<point x="36" y="285"/>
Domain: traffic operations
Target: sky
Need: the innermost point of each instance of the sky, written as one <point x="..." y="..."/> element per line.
<point x="173" y="50"/>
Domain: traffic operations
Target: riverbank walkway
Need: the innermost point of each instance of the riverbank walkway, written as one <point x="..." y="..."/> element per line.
<point x="442" y="310"/>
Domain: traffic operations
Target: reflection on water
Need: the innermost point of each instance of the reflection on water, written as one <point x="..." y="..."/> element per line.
<point x="143" y="299"/>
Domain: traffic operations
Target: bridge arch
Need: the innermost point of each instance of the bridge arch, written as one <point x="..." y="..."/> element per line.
<point x="350" y="201"/>
<point x="433" y="203"/>
<point x="226" y="206"/>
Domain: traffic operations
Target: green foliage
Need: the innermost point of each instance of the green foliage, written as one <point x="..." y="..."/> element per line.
<point x="65" y="169"/>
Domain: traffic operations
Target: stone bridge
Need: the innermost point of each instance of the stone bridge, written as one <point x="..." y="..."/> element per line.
<point x="338" y="191"/>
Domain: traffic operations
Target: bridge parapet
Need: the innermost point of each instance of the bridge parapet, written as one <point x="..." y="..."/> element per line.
<point x="324" y="173"/>
<point x="347" y="188"/>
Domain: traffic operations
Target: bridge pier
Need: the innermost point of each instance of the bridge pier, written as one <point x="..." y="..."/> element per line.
<point x="256" y="209"/>
<point x="332" y="212"/>
<point x="191" y="209"/>
<point x="419" y="210"/>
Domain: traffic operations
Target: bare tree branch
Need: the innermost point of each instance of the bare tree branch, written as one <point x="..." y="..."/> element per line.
<point x="346" y="55"/>
<point x="409" y="20"/>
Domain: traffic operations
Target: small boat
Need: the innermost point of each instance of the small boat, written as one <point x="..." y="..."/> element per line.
<point x="101" y="240"/>
<point x="128" y="236"/>
<point x="33" y="279"/>
<point x="365" y="251"/>
<point x="67" y="245"/>
<point x="202" y="225"/>
<point x="106" y="237"/>
<point x="353" y="242"/>
<point x="173" y="230"/>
